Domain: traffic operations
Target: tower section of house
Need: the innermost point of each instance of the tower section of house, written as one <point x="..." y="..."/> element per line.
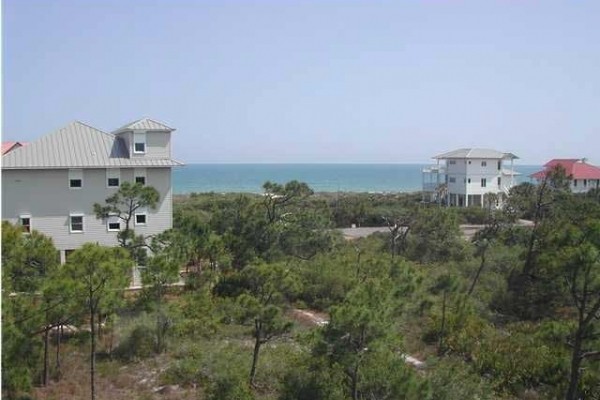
<point x="463" y="177"/>
<point x="51" y="184"/>
<point x="583" y="176"/>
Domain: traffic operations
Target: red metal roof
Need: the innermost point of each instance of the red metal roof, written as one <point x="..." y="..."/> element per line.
<point x="577" y="169"/>
<point x="8" y="146"/>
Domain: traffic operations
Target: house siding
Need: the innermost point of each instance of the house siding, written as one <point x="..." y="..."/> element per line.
<point x="46" y="196"/>
<point x="158" y="144"/>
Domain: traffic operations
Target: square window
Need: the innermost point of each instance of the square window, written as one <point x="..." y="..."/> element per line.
<point x="113" y="177"/>
<point x="113" y="223"/>
<point x="139" y="143"/>
<point x="484" y="163"/>
<point x="25" y="222"/>
<point x="140" y="219"/>
<point x="75" y="178"/>
<point x="140" y="179"/>
<point x="452" y="180"/>
<point x="76" y="223"/>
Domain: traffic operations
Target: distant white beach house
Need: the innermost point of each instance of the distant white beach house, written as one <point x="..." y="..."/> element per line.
<point x="463" y="177"/>
<point x="52" y="183"/>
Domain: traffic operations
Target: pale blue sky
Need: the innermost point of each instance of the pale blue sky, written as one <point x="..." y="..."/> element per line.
<point x="311" y="81"/>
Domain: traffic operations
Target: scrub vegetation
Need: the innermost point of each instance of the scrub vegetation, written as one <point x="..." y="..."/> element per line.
<point x="260" y="297"/>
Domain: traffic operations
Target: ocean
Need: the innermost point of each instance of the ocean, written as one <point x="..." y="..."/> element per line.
<point x="249" y="178"/>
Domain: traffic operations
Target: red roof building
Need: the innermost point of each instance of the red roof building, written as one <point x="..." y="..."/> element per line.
<point x="7" y="147"/>
<point x="583" y="176"/>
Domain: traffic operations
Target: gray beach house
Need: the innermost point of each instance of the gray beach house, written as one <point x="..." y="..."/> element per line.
<point x="51" y="184"/>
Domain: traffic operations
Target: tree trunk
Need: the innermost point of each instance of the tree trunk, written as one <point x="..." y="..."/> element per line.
<point x="92" y="349"/>
<point x="575" y="366"/>
<point x="354" y="379"/>
<point x="59" y="330"/>
<point x="46" y="358"/>
<point x="99" y="330"/>
<point x="443" y="327"/>
<point x="257" y="345"/>
<point x="481" y="266"/>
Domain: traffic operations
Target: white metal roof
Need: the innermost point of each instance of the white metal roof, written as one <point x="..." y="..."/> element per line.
<point x="145" y="124"/>
<point x="476" y="153"/>
<point x="78" y="145"/>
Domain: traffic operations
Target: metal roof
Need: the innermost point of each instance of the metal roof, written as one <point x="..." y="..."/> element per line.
<point x="476" y="153"/>
<point x="78" y="145"/>
<point x="145" y="124"/>
<point x="574" y="168"/>
<point x="9" y="146"/>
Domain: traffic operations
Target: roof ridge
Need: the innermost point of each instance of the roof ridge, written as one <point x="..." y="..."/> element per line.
<point x="91" y="127"/>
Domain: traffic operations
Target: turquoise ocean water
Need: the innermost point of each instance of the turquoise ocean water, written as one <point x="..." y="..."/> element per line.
<point x="381" y="178"/>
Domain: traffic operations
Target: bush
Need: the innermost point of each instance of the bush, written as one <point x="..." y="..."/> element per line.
<point x="184" y="372"/>
<point x="452" y="379"/>
<point x="229" y="387"/>
<point x="139" y="344"/>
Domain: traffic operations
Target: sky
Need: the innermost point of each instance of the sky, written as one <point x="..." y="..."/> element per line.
<point x="311" y="81"/>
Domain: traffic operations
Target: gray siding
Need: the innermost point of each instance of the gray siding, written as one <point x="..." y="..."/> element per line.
<point x="158" y="144"/>
<point x="45" y="195"/>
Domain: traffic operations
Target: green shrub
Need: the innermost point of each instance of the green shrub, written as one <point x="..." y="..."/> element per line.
<point x="229" y="387"/>
<point x="184" y="372"/>
<point x="140" y="343"/>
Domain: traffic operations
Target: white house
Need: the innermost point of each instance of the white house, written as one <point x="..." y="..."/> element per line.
<point x="52" y="183"/>
<point x="583" y="176"/>
<point x="462" y="177"/>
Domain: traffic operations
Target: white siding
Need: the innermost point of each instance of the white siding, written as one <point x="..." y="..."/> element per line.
<point x="158" y="144"/>
<point x="44" y="194"/>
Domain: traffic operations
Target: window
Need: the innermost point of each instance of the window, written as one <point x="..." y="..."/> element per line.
<point x="585" y="182"/>
<point x="140" y="219"/>
<point x="484" y="163"/>
<point x="140" y="175"/>
<point x="139" y="143"/>
<point x="112" y="177"/>
<point x="499" y="181"/>
<point x="25" y="222"/>
<point x="483" y="182"/>
<point x="499" y="165"/>
<point x="452" y="162"/>
<point x="469" y="162"/>
<point x="452" y="180"/>
<point x="113" y="224"/>
<point x="575" y="182"/>
<point x="75" y="178"/>
<point x="469" y="180"/>
<point x="76" y="223"/>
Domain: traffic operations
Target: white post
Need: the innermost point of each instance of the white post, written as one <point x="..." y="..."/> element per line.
<point x="512" y="172"/>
